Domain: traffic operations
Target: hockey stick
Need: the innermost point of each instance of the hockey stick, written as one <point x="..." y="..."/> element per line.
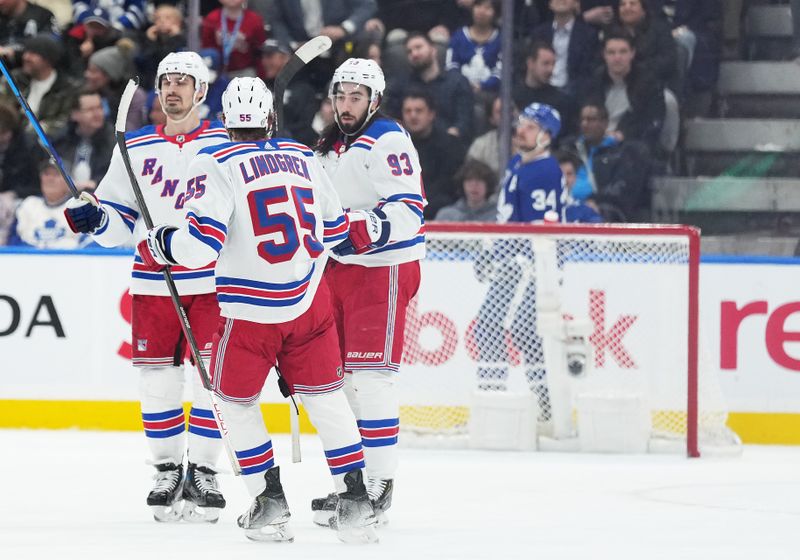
<point x="302" y="56"/>
<point x="119" y="133"/>
<point x="39" y="132"/>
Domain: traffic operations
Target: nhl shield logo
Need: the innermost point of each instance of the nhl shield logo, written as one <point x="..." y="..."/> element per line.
<point x="141" y="345"/>
<point x="339" y="372"/>
<point x="180" y="138"/>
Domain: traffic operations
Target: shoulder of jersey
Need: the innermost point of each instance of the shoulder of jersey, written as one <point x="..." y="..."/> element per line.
<point x="290" y="144"/>
<point x="143" y="137"/>
<point x="215" y="129"/>
<point x="379" y="129"/>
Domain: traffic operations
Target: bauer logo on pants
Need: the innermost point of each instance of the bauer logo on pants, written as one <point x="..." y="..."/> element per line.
<point x="141" y="345"/>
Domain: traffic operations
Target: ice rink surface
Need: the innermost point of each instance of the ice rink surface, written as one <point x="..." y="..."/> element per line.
<point x="81" y="495"/>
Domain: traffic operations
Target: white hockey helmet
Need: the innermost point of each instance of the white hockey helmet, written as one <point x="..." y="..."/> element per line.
<point x="359" y="71"/>
<point x="247" y="103"/>
<point x="184" y="63"/>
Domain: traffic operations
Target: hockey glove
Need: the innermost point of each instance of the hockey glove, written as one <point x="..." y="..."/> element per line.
<point x="369" y="229"/>
<point x="154" y="250"/>
<point x="85" y="214"/>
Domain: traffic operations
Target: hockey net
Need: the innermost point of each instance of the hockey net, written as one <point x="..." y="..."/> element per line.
<point x="560" y="312"/>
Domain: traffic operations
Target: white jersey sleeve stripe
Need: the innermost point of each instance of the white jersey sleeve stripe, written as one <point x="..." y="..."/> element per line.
<point x="207" y="230"/>
<point x="336" y="230"/>
<point x="128" y="215"/>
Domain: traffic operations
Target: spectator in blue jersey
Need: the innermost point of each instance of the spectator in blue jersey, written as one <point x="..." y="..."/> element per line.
<point x="477" y="202"/>
<point x="40" y="218"/>
<point x="574" y="44"/>
<point x="531" y="189"/>
<point x="581" y="211"/>
<point x="475" y="49"/>
<point x="126" y="15"/>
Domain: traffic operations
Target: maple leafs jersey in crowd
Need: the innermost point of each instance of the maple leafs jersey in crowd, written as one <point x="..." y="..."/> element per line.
<point x="381" y="169"/>
<point x="160" y="163"/>
<point x="266" y="210"/>
<point x="530" y="190"/>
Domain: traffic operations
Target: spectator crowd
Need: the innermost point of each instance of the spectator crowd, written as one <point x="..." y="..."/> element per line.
<point x="621" y="73"/>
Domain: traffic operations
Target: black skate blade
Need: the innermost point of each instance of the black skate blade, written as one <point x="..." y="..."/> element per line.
<point x="358" y="535"/>
<point x="197" y="514"/>
<point x="280" y="532"/>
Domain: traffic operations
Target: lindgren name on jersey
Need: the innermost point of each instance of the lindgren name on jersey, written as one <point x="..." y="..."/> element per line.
<point x="266" y="164"/>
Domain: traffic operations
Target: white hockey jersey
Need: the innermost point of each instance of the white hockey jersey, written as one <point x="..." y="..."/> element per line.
<point x="160" y="163"/>
<point x="381" y="169"/>
<point x="266" y="211"/>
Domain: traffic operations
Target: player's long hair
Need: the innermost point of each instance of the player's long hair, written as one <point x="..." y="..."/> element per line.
<point x="332" y="134"/>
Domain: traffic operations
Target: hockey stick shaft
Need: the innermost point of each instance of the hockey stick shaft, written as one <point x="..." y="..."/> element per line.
<point x="119" y="134"/>
<point x="306" y="53"/>
<point x="38" y="128"/>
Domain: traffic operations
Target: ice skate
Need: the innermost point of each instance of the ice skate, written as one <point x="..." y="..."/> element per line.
<point x="380" y="494"/>
<point x="268" y="517"/>
<point x="324" y="509"/>
<point x="355" y="520"/>
<point x="202" y="500"/>
<point x="165" y="497"/>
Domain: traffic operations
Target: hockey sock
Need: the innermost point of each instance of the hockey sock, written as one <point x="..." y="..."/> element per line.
<point x="161" y="392"/>
<point x="205" y="442"/>
<point x="251" y="442"/>
<point x="331" y="416"/>
<point x="379" y="422"/>
<point x="350" y="392"/>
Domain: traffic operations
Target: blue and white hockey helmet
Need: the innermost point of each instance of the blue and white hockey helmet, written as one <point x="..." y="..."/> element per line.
<point x="548" y="118"/>
<point x="247" y="103"/>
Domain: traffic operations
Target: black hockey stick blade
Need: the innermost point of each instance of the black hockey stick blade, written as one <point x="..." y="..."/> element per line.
<point x="302" y="56"/>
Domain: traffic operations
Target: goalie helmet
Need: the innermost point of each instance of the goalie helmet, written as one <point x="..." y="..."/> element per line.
<point x="360" y="71"/>
<point x="548" y="118"/>
<point x="247" y="103"/>
<point x="186" y="63"/>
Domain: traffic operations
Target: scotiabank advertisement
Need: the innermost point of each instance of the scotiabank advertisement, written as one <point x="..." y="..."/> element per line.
<point x="65" y="332"/>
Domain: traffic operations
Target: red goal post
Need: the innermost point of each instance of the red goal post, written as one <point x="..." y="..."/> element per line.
<point x="484" y="286"/>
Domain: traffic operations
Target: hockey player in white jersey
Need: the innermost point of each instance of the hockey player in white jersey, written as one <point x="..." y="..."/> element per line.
<point x="160" y="156"/>
<point x="265" y="210"/>
<point x="376" y="172"/>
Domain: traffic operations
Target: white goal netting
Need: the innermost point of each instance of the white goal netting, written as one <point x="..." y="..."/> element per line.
<point x="568" y="314"/>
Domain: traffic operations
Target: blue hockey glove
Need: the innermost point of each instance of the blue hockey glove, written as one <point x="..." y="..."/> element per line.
<point x="85" y="214"/>
<point x="369" y="229"/>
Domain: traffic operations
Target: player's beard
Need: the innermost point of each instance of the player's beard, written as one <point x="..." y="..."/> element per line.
<point x="352" y="126"/>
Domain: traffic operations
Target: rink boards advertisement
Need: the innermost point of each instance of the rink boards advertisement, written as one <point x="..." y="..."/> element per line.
<point x="65" y="338"/>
